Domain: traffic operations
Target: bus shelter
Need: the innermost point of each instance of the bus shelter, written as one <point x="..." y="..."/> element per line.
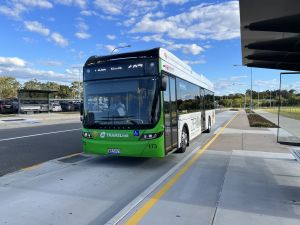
<point x="34" y="101"/>
<point x="270" y="39"/>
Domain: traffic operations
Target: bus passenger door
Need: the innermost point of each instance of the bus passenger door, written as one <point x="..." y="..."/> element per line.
<point x="167" y="115"/>
<point x="170" y="113"/>
<point x="202" y="107"/>
<point x="174" y="117"/>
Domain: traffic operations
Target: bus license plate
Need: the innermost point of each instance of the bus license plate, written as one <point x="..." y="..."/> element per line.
<point x="114" y="151"/>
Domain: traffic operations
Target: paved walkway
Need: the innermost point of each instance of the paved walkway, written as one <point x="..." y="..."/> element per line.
<point x="240" y="136"/>
<point x="244" y="178"/>
<point x="289" y="128"/>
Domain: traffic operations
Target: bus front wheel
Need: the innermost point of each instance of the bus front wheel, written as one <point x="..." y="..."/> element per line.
<point x="184" y="141"/>
<point x="208" y="126"/>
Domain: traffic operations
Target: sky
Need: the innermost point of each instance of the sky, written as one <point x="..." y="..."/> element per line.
<point x="50" y="40"/>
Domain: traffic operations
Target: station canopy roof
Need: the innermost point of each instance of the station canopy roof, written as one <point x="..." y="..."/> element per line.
<point x="270" y="33"/>
<point x="36" y="91"/>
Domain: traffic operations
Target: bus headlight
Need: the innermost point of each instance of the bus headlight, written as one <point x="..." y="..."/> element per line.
<point x="86" y="135"/>
<point x="151" y="136"/>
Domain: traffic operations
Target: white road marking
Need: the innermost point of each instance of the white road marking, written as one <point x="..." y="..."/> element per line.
<point x="34" y="135"/>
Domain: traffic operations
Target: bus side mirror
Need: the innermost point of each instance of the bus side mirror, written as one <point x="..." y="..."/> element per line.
<point x="163" y="86"/>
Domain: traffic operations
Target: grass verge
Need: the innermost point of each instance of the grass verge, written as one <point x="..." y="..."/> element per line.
<point x="290" y="112"/>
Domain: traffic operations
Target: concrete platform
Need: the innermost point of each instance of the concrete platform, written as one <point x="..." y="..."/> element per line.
<point x="241" y="188"/>
<point x="243" y="178"/>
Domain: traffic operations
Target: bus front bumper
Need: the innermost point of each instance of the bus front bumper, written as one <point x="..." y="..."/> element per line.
<point x="145" y="148"/>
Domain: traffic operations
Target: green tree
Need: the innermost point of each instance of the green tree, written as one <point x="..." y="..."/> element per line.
<point x="51" y="86"/>
<point x="8" y="87"/>
<point x="76" y="87"/>
<point x="64" y="91"/>
<point x="33" y="84"/>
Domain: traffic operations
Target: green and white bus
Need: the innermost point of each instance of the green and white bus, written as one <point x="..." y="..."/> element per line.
<point x="143" y="104"/>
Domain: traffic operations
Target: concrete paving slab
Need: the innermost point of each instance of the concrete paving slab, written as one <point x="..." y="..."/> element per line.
<point x="260" y="188"/>
<point x="239" y="135"/>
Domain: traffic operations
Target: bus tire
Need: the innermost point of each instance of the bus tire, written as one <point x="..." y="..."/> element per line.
<point x="208" y="130"/>
<point x="184" y="141"/>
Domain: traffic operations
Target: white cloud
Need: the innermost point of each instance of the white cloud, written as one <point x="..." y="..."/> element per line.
<point x="195" y="62"/>
<point x="218" y="21"/>
<point x="82" y="30"/>
<point x="82" y="35"/>
<point x="29" y="73"/>
<point x="177" y="2"/>
<point x="193" y="49"/>
<point x="15" y="8"/>
<point x="12" y="61"/>
<point x="236" y="78"/>
<point x="129" y="22"/>
<point x="156" y="38"/>
<point x="37" y="27"/>
<point x="295" y="86"/>
<point x="230" y="85"/>
<point x="80" y="3"/>
<point x="88" y="13"/>
<point x="267" y="84"/>
<point x="18" y="68"/>
<point x="129" y="8"/>
<point x="37" y="3"/>
<point x="111" y="37"/>
<point x="110" y="48"/>
<point x="29" y="40"/>
<point x="82" y="26"/>
<point x="59" y="39"/>
<point x="148" y="25"/>
<point x="109" y="6"/>
<point x="13" y="11"/>
<point x="159" y="14"/>
<point x="52" y="63"/>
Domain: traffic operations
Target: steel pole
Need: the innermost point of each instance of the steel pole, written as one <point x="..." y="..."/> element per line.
<point x="251" y="103"/>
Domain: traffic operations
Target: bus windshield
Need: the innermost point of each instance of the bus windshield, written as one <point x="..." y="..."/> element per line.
<point x="129" y="103"/>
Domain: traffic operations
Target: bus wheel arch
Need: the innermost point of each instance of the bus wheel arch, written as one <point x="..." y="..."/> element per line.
<point x="184" y="139"/>
<point x="188" y="134"/>
<point x="208" y="125"/>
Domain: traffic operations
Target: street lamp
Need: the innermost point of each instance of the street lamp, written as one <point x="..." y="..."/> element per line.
<point x="125" y="46"/>
<point x="251" y="85"/>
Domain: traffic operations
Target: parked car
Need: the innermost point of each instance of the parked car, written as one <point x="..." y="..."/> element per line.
<point x="8" y="106"/>
<point x="55" y="107"/>
<point x="67" y="106"/>
<point x="76" y="106"/>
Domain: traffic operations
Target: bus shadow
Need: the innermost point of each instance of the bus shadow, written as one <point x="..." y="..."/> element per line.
<point x="132" y="162"/>
<point x="115" y="161"/>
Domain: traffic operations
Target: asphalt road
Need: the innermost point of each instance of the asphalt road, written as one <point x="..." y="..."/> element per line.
<point x="24" y="147"/>
<point x="88" y="191"/>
